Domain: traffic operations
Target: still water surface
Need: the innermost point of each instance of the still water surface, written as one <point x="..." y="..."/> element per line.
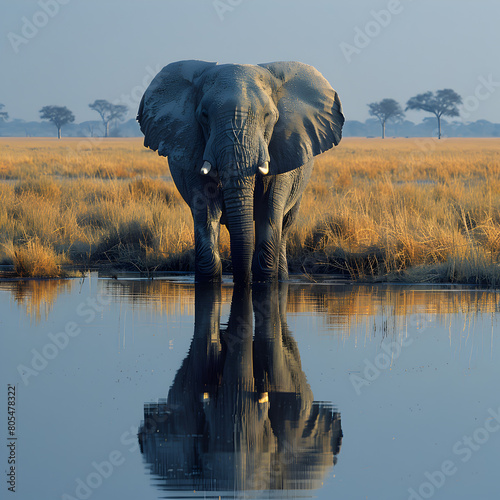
<point x="136" y="389"/>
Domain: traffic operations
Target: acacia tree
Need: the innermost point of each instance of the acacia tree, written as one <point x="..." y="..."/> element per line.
<point x="58" y="115"/>
<point x="4" y="116"/>
<point x="442" y="103"/>
<point x="386" y="109"/>
<point x="108" y="112"/>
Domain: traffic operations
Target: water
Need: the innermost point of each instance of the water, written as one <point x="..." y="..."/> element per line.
<point x="159" y="389"/>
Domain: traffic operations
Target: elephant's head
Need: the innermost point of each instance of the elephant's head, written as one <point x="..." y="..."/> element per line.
<point x="237" y="122"/>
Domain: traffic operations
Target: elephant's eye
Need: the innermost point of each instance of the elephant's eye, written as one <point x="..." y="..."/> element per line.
<point x="204" y="115"/>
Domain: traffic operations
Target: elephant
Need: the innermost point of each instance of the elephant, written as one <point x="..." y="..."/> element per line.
<point x="240" y="141"/>
<point x="240" y="414"/>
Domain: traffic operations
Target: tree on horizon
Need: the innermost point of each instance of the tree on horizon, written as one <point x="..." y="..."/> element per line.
<point x="442" y="103"/>
<point x="108" y="112"/>
<point x="4" y="116"/>
<point x="58" y="115"/>
<point x="386" y="109"/>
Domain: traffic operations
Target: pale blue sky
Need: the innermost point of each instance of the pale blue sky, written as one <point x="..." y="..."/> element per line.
<point x="106" y="49"/>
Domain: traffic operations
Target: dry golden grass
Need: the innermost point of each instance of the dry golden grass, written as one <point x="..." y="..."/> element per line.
<point x="27" y="158"/>
<point x="36" y="260"/>
<point x="417" y="209"/>
<point x="390" y="209"/>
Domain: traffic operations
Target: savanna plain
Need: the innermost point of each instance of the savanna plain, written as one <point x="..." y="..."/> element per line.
<point x="412" y="210"/>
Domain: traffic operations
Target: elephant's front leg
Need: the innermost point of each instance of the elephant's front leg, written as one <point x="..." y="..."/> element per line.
<point x="208" y="265"/>
<point x="288" y="220"/>
<point x="206" y="210"/>
<point x="277" y="201"/>
<point x="268" y="208"/>
<point x="267" y="248"/>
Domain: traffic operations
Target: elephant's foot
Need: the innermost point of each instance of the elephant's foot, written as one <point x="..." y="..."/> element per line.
<point x="264" y="277"/>
<point x="283" y="263"/>
<point x="241" y="277"/>
<point x="263" y="270"/>
<point x="283" y="268"/>
<point x="208" y="269"/>
<point x="207" y="278"/>
<point x="283" y="272"/>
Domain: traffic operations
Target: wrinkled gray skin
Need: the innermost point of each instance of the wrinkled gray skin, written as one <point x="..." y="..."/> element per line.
<point x="237" y="118"/>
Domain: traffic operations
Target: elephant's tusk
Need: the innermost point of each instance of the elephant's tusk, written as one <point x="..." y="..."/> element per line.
<point x="206" y="168"/>
<point x="264" y="168"/>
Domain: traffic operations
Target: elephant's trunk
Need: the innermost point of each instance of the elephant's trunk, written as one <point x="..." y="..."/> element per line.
<point x="239" y="215"/>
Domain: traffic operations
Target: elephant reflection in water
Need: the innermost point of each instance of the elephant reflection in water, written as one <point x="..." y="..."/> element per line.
<point x="240" y="414"/>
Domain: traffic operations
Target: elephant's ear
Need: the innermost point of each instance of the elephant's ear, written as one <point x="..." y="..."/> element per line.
<point x="167" y="113"/>
<point x="310" y="116"/>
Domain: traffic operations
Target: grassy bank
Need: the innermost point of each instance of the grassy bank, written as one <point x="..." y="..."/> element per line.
<point x="408" y="209"/>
